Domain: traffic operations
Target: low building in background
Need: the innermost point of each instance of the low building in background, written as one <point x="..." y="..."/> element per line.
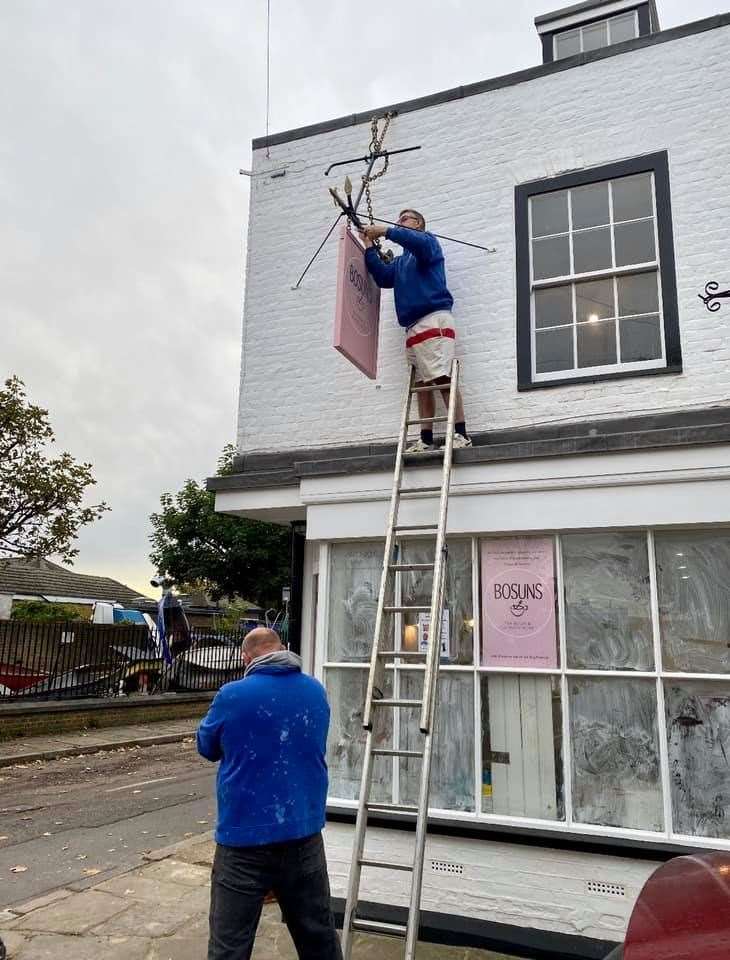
<point x="42" y="580"/>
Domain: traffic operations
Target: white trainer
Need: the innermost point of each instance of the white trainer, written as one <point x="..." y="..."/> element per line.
<point x="418" y="446"/>
<point x="460" y="441"/>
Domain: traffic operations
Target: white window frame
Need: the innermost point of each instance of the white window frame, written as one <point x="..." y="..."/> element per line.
<point x="658" y="675"/>
<point x="580" y="29"/>
<point x="648" y="266"/>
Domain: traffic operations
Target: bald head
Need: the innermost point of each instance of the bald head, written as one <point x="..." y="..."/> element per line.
<point x="259" y="642"/>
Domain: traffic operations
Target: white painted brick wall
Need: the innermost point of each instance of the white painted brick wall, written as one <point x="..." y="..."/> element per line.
<point x="503" y="883"/>
<point x="297" y="391"/>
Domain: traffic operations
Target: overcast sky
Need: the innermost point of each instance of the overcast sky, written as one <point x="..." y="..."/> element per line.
<point x="122" y="214"/>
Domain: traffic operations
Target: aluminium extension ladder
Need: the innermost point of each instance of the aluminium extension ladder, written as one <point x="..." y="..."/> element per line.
<point x="376" y="703"/>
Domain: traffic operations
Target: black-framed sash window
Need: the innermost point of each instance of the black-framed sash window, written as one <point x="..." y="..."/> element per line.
<point x="596" y="286"/>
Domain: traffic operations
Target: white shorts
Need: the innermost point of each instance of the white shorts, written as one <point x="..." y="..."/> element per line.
<point x="430" y="345"/>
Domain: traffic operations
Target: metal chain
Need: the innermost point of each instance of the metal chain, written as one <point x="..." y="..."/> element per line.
<point x="376" y="144"/>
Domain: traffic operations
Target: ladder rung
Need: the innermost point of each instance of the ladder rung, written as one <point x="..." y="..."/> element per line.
<point x="406" y="609"/>
<point x="400" y="653"/>
<point x="412" y="423"/>
<point x="387" y="752"/>
<point x="397" y="703"/>
<point x="411" y="566"/>
<point x="386" y="865"/>
<point x="430" y="386"/>
<point x="379" y="926"/>
<point x="416" y="526"/>
<point x="403" y="490"/>
<point x="392" y="807"/>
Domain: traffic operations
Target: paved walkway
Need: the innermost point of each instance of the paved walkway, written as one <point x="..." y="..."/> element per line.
<point x="159" y="912"/>
<point x="73" y="744"/>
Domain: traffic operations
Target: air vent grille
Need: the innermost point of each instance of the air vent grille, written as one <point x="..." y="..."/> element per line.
<point x="443" y="866"/>
<point x="606" y="889"/>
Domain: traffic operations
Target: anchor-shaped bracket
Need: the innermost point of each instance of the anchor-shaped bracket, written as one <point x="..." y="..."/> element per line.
<point x="350" y="211"/>
<point x="713" y="295"/>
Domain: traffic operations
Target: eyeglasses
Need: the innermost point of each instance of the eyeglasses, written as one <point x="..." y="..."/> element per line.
<point x="407" y="216"/>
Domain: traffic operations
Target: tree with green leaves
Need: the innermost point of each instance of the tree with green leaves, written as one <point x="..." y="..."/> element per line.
<point x="232" y="556"/>
<point x="41" y="497"/>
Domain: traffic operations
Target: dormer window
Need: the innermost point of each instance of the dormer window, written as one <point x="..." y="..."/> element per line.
<point x="602" y="33"/>
<point x="592" y="25"/>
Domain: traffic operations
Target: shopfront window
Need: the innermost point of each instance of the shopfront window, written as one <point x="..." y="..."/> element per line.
<point x="615" y="751"/>
<point x="588" y="688"/>
<point x="354" y="574"/>
<point x="607" y="603"/>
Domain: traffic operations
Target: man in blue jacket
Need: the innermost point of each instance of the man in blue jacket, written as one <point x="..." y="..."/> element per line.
<point x="423" y="307"/>
<point x="269" y="734"/>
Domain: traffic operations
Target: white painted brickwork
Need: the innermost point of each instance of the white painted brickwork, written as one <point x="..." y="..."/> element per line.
<point x="502" y="883"/>
<point x="298" y="392"/>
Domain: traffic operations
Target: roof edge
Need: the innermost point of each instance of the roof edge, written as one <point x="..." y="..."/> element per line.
<point x="584" y="7"/>
<point x="496" y="83"/>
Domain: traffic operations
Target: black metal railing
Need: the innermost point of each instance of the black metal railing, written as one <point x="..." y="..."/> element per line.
<point x="50" y="661"/>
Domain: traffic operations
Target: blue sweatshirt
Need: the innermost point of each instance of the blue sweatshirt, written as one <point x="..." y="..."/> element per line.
<point x="269" y="732"/>
<point x="418" y="276"/>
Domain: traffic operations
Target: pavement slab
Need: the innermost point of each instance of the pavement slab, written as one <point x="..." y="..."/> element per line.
<point x="54" y="947"/>
<point x="140" y="921"/>
<point x="176" y="871"/>
<point x="135" y="887"/>
<point x="73" y="915"/>
<point x="14" y="942"/>
<point x="178" y="948"/>
<point x="37" y="902"/>
<point x="79" y="743"/>
<point x="200" y="853"/>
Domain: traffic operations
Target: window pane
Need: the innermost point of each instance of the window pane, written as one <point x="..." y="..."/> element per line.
<point x="623" y="27"/>
<point x="346" y="690"/>
<point x="554" y="306"/>
<point x="607" y="610"/>
<point x="567" y="44"/>
<point x="594" y="300"/>
<point x="595" y="36"/>
<point x="550" y="258"/>
<point x="632" y="197"/>
<point x="597" y="343"/>
<point x="452" y="771"/>
<point x="549" y="213"/>
<point x="634" y="243"/>
<point x="693" y="571"/>
<point x="698" y="731"/>
<point x="592" y="249"/>
<point x="590" y="205"/>
<point x="554" y="350"/>
<point x="637" y="293"/>
<point x="615" y="749"/>
<point x="522" y="762"/>
<point x="355" y="571"/>
<point x="641" y="339"/>
<point x="458" y="603"/>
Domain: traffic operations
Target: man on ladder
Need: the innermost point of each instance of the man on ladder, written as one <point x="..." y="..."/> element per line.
<point x="423" y="306"/>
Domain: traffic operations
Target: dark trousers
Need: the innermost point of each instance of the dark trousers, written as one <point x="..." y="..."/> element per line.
<point x="296" y="871"/>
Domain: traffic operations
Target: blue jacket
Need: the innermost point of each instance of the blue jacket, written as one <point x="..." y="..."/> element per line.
<point x="417" y="276"/>
<point x="269" y="732"/>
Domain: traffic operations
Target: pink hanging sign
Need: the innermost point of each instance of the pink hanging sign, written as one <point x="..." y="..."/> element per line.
<point x="357" y="315"/>
<point x="518" y="603"/>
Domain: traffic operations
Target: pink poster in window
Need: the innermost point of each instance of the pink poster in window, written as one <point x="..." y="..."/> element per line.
<point x="518" y="603"/>
<point x="357" y="316"/>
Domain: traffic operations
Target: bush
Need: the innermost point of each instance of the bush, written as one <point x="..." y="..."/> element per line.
<point x="42" y="611"/>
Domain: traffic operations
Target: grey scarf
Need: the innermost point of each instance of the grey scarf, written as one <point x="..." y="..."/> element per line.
<point x="280" y="660"/>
